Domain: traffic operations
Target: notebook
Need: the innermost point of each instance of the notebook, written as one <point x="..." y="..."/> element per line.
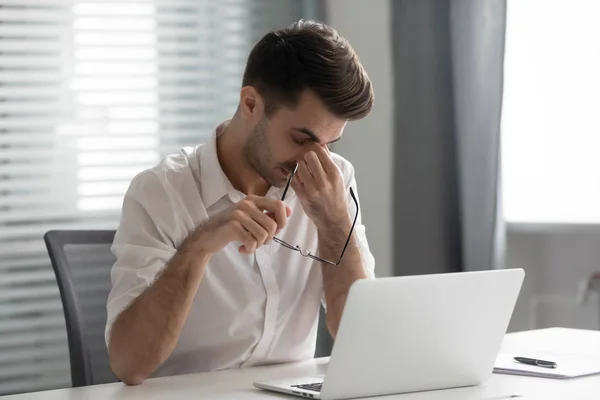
<point x="568" y="365"/>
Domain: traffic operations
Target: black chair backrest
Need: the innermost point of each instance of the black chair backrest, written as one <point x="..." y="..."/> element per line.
<point x="82" y="261"/>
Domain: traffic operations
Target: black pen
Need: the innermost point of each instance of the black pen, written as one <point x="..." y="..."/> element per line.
<point x="537" y="363"/>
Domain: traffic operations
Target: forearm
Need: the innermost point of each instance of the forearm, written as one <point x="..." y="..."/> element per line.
<point x="144" y="335"/>
<point x="338" y="279"/>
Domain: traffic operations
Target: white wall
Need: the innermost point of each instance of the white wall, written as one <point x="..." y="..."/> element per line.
<point x="368" y="143"/>
<point x="556" y="259"/>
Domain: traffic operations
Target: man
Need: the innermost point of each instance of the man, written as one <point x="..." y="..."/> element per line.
<point x="206" y="275"/>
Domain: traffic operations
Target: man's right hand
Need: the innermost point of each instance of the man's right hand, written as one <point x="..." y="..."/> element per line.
<point x="252" y="221"/>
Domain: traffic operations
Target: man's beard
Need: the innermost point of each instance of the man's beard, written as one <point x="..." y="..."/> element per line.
<point x="257" y="154"/>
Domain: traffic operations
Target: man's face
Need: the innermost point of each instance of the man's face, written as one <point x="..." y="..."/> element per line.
<point x="275" y="144"/>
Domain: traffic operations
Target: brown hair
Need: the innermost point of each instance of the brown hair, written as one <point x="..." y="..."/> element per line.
<point x="309" y="55"/>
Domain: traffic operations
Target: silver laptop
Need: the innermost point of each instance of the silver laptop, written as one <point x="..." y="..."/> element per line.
<point x="415" y="333"/>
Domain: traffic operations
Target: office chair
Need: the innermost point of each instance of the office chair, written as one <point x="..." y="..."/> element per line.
<point x="324" y="339"/>
<point x="82" y="261"/>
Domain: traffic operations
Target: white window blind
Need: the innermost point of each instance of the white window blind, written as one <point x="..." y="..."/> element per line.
<point x="91" y="93"/>
<point x="551" y="123"/>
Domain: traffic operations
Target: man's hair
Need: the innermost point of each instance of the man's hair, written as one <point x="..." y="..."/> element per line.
<point x="309" y="55"/>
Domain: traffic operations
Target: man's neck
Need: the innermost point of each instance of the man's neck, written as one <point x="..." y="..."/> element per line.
<point x="230" y="152"/>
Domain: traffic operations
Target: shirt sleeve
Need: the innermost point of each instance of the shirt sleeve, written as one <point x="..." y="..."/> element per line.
<point x="143" y="245"/>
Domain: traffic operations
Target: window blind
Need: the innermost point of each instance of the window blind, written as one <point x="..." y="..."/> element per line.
<point x="91" y="93"/>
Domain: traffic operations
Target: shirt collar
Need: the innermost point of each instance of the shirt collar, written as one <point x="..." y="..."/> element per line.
<point x="215" y="184"/>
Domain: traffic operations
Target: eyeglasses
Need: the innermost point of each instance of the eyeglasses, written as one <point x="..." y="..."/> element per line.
<point x="308" y="254"/>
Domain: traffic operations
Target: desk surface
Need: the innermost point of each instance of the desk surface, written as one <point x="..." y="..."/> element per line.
<point x="237" y="384"/>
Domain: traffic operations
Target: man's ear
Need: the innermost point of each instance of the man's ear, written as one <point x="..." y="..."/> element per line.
<point x="251" y="103"/>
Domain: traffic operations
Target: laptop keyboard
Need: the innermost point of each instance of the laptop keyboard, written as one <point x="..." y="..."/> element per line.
<point x="315" y="387"/>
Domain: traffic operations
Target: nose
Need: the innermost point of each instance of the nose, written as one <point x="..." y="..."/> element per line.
<point x="300" y="154"/>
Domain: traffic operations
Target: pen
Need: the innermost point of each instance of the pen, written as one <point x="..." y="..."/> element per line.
<point x="537" y="363"/>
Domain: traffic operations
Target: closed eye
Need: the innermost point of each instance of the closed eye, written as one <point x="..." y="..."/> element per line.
<point x="301" y="142"/>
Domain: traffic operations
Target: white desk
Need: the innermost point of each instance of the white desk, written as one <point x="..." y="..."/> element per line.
<point x="237" y="384"/>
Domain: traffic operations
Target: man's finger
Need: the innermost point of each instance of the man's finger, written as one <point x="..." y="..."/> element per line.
<point x="256" y="230"/>
<point x="315" y="166"/>
<point x="298" y="188"/>
<point x="305" y="176"/>
<point x="277" y="207"/>
<point x="246" y="238"/>
<point x="288" y="212"/>
<point x="325" y="158"/>
<point x="266" y="222"/>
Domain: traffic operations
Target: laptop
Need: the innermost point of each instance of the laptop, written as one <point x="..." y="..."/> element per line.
<point x="414" y="333"/>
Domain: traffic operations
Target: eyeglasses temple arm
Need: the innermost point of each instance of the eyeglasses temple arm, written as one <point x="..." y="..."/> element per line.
<point x="351" y="229"/>
<point x="287" y="186"/>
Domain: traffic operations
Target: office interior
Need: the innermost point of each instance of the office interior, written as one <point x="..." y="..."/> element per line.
<point x="480" y="152"/>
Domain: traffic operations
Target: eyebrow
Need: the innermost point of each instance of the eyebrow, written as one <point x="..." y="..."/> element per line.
<point x="312" y="135"/>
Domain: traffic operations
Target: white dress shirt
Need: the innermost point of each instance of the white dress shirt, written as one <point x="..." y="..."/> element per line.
<point x="249" y="309"/>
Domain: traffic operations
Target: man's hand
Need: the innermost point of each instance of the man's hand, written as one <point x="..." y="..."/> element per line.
<point x="253" y="221"/>
<point x="144" y="335"/>
<point x="319" y="185"/>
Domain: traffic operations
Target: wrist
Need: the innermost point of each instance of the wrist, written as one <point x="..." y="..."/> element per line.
<point x="192" y="247"/>
<point x="196" y="241"/>
<point x="334" y="228"/>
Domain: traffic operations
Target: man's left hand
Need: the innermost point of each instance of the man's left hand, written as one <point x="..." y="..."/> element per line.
<point x="319" y="185"/>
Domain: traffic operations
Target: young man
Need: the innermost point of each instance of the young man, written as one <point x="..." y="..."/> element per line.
<point x="208" y="275"/>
